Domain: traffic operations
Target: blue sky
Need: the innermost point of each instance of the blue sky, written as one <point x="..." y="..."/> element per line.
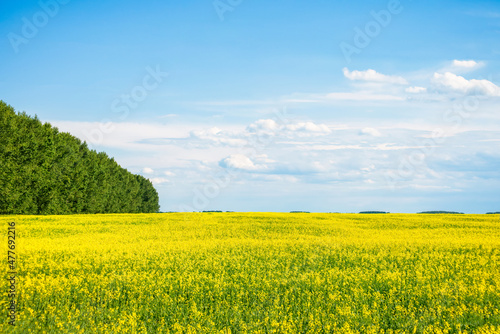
<point x="329" y="106"/>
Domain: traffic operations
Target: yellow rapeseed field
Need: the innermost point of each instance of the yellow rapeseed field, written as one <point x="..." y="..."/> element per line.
<point x="255" y="273"/>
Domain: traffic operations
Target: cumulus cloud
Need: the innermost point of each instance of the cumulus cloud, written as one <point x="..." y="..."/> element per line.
<point x="147" y="170"/>
<point x="370" y="131"/>
<point x="373" y="76"/>
<point x="240" y="161"/>
<point x="461" y="66"/>
<point x="263" y="125"/>
<point x="458" y="83"/>
<point x="416" y="90"/>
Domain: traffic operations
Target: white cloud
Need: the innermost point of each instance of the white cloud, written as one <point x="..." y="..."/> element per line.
<point x="331" y="147"/>
<point x="206" y="133"/>
<point x="266" y="125"/>
<point x="270" y="127"/>
<point x="308" y="127"/>
<point x="263" y="158"/>
<point x="147" y="170"/>
<point x="371" y="131"/>
<point x="302" y="157"/>
<point x="275" y="178"/>
<point x="217" y="136"/>
<point x="416" y="90"/>
<point x="124" y="135"/>
<point x="240" y="161"/>
<point x="369" y="168"/>
<point x="376" y="147"/>
<point x="363" y="96"/>
<point x="460" y="84"/>
<point x="461" y="66"/>
<point x="465" y="63"/>
<point x="168" y="116"/>
<point x="373" y="76"/>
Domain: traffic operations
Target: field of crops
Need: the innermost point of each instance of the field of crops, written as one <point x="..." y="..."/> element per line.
<point x="255" y="273"/>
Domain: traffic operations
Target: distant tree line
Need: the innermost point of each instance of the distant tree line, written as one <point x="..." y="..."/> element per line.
<point x="373" y="212"/>
<point x="442" y="212"/>
<point x="44" y="171"/>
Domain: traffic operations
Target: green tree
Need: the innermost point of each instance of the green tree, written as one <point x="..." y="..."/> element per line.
<point x="44" y="171"/>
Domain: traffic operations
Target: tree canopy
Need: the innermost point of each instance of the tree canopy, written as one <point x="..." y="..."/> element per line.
<point x="44" y="171"/>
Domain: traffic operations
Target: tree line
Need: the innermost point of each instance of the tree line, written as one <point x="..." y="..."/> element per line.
<point x="44" y="171"/>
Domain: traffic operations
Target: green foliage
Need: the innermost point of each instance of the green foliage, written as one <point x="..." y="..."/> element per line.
<point x="44" y="171"/>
